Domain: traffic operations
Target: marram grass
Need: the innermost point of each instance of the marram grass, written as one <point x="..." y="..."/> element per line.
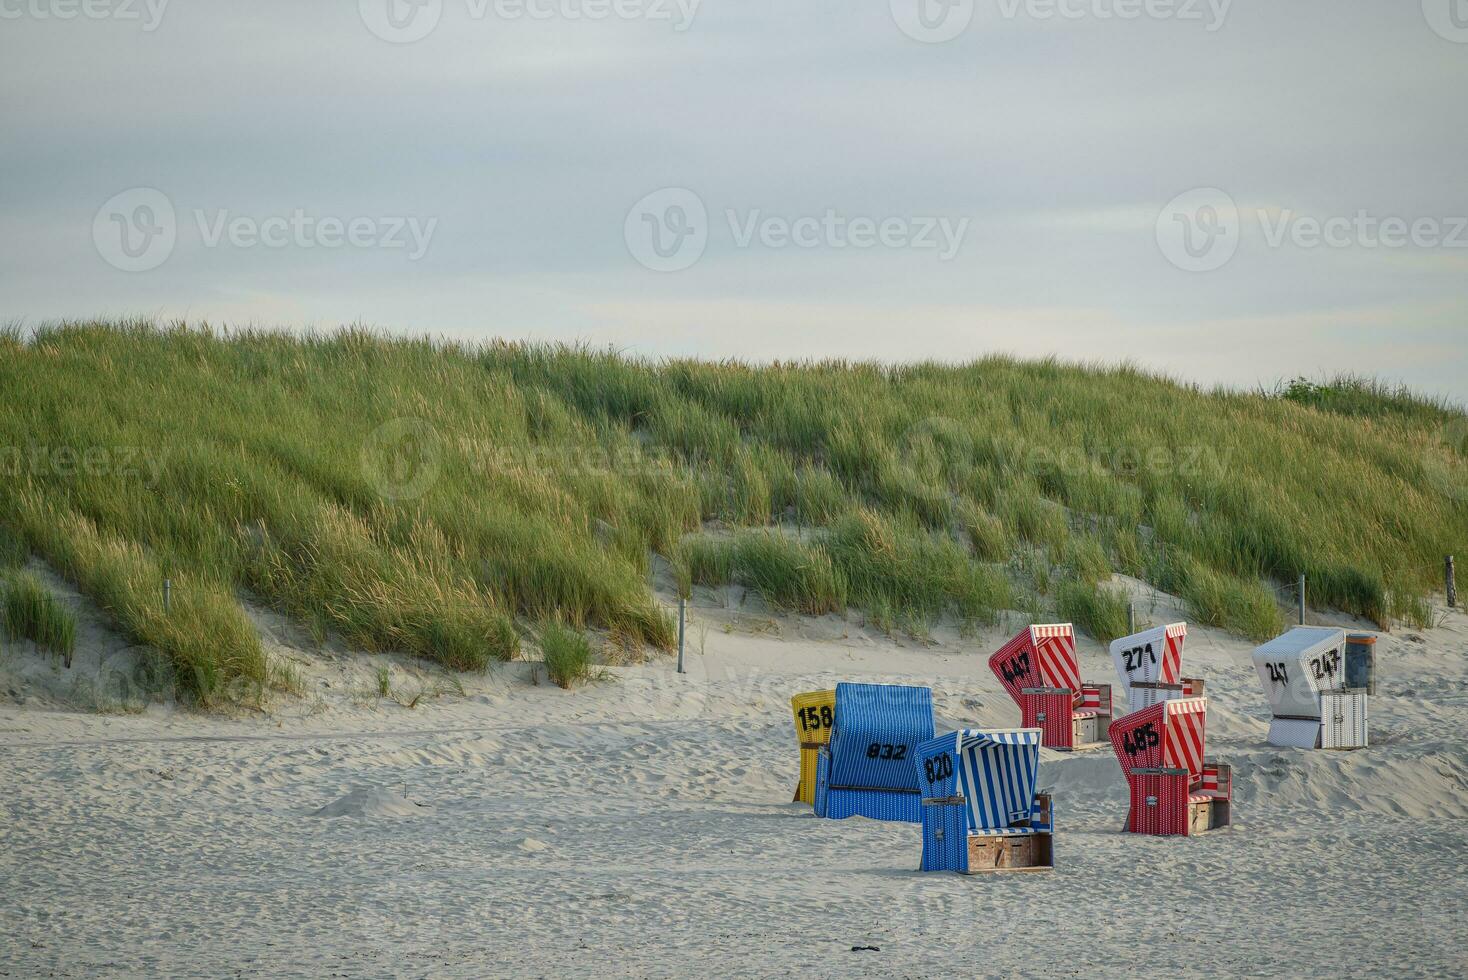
<point x="435" y="498"/>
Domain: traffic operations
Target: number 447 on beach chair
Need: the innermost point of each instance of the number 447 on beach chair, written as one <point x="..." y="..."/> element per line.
<point x="980" y="808"/>
<point x="1173" y="790"/>
<point x="1040" y="671"/>
<point x="866" y="770"/>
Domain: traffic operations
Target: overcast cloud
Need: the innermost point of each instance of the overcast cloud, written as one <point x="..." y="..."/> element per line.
<point x="1231" y="192"/>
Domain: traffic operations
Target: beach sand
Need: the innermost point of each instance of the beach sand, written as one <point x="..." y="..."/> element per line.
<point x="641" y="825"/>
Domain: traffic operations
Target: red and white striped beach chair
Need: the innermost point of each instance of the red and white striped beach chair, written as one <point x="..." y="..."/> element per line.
<point x="1040" y="671"/>
<point x="1174" y="790"/>
<point x="1149" y="665"/>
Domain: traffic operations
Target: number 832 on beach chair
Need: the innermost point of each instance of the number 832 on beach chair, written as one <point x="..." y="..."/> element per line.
<point x="980" y="808"/>
<point x="866" y="768"/>
<point x="1040" y="671"/>
<point x="1174" y="791"/>
<point x="814" y="713"/>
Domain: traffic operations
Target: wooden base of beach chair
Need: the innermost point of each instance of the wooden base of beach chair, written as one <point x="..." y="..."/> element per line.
<point x="1010" y="852"/>
<point x="1087" y="732"/>
<point x="1208" y="815"/>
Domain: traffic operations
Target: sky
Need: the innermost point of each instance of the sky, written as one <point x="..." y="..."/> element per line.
<point x="1229" y="191"/>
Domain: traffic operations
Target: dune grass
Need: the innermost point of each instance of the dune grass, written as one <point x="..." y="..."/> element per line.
<point x="28" y="611"/>
<point x="566" y="653"/>
<point x="1099" y="610"/>
<point x="434" y="498"/>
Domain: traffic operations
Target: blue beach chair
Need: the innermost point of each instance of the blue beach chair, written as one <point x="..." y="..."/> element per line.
<point x="980" y="810"/>
<point x="866" y="770"/>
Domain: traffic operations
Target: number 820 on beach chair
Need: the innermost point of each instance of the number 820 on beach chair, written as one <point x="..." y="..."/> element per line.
<point x="980" y="808"/>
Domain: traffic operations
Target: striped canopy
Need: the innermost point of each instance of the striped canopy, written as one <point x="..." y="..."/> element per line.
<point x="1038" y="656"/>
<point x="996" y="773"/>
<point x="1168" y="735"/>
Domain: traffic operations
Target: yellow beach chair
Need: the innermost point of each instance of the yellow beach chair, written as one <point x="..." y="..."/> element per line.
<point x="814" y="712"/>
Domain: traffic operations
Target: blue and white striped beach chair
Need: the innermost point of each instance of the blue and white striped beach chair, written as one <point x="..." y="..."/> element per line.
<point x="866" y="769"/>
<point x="980" y="810"/>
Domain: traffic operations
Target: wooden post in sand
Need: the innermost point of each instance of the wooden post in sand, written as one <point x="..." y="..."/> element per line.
<point x="1302" y="598"/>
<point x="1131" y="618"/>
<point x="167" y="595"/>
<point x="1450" y="585"/>
<point x="682" y="617"/>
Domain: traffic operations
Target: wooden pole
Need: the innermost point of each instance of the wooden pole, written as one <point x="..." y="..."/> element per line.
<point x="1302" y="598"/>
<point x="1449" y="582"/>
<point x="682" y="618"/>
<point x="167" y="595"/>
<point x="1131" y="618"/>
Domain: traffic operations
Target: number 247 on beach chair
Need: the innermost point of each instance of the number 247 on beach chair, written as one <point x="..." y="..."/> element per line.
<point x="814" y="712"/>
<point x="1173" y="789"/>
<point x="980" y="808"/>
<point x="1040" y="671"/>
<point x="866" y="769"/>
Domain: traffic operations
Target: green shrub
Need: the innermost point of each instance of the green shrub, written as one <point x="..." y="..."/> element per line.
<point x="1100" y="611"/>
<point x="567" y="654"/>
<point x="31" y="612"/>
<point x="13" y="551"/>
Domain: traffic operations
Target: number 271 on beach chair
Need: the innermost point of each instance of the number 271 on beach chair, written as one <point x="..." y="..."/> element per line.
<point x="1174" y="791"/>
<point x="814" y="712"/>
<point x="980" y="808"/>
<point x="866" y="769"/>
<point x="1040" y="671"/>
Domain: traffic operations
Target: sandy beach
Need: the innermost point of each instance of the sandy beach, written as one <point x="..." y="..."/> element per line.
<point x="641" y="826"/>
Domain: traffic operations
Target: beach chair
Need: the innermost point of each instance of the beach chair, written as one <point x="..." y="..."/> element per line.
<point x="1040" y="671"/>
<point x="980" y="808"/>
<point x="1303" y="673"/>
<point x="1174" y="790"/>
<point x="814" y="712"/>
<point x="866" y="768"/>
<point x="1150" y="665"/>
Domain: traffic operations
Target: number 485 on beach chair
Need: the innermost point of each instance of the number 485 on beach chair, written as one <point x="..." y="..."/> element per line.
<point x="1173" y="789"/>
<point x="1040" y="671"/>
<point x="980" y="808"/>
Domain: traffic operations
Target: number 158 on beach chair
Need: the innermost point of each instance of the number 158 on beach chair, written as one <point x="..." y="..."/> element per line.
<point x="814" y="713"/>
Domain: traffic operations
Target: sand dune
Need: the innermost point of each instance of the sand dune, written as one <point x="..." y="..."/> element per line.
<point x="641" y="826"/>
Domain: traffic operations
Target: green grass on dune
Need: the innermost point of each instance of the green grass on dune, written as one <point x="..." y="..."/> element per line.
<point x="434" y="498"/>
<point x="28" y="611"/>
